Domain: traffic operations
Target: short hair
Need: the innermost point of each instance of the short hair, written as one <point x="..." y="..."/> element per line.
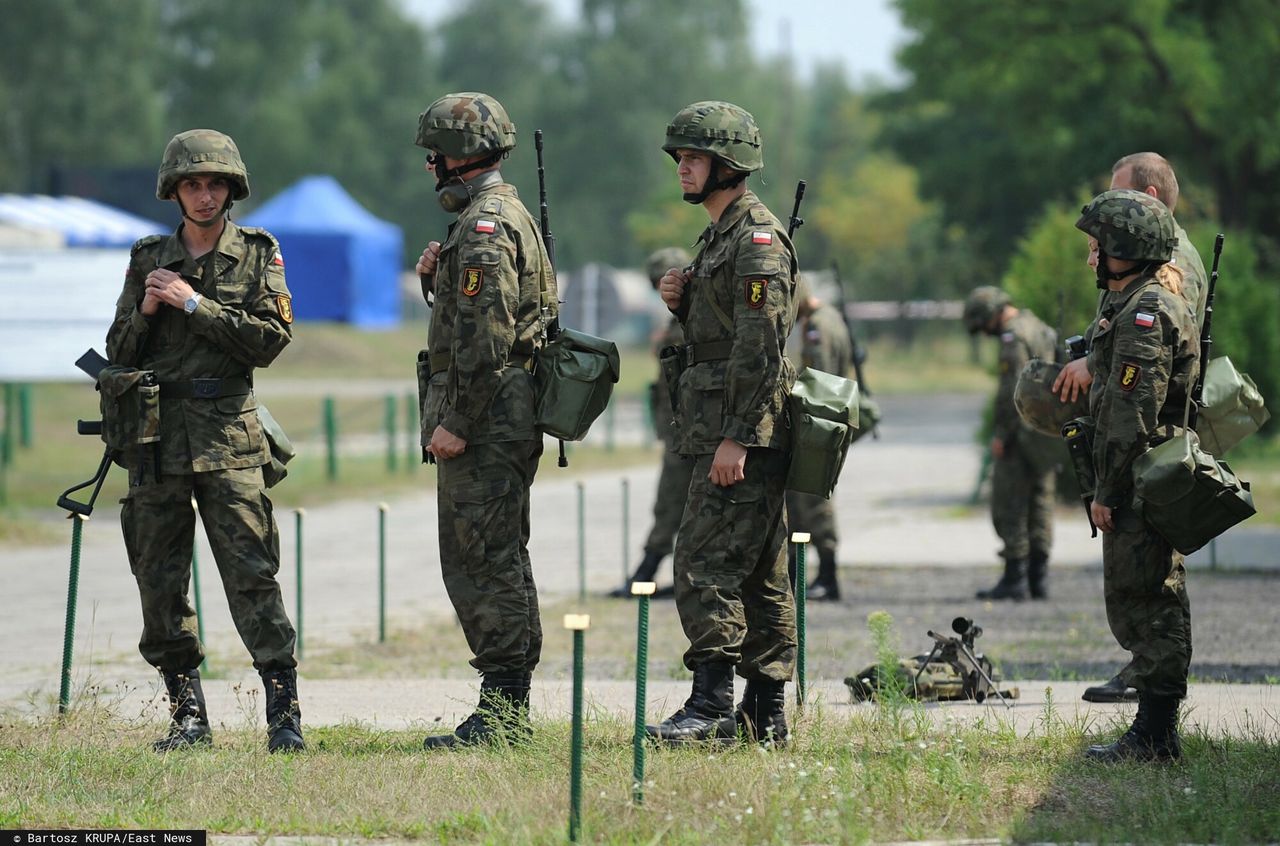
<point x="1151" y="169"/>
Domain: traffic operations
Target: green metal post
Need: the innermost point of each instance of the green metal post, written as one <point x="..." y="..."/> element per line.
<point x="195" y="584"/>
<point x="389" y="421"/>
<point x="413" y="449"/>
<point x="626" y="530"/>
<point x="6" y="434"/>
<point x="297" y="530"/>
<point x="24" y="415"/>
<point x="331" y="438"/>
<point x="578" y="623"/>
<point x="69" y="629"/>
<point x="801" y="540"/>
<point x="383" y="508"/>
<point x="582" y="543"/>
<point x="641" y="590"/>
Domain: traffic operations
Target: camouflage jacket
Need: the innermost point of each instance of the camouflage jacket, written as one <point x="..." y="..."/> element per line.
<point x="1144" y="361"/>
<point x="1022" y="338"/>
<point x="491" y="279"/>
<point x="243" y="322"/>
<point x="1195" y="282"/>
<point x="824" y="341"/>
<point x="738" y="307"/>
<point x="671" y="336"/>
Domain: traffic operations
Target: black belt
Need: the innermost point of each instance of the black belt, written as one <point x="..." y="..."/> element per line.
<point x="231" y="386"/>
<point x="707" y="351"/>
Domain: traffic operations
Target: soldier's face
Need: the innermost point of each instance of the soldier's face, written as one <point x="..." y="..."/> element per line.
<point x="203" y="196"/>
<point x="692" y="168"/>
<point x="1092" y="260"/>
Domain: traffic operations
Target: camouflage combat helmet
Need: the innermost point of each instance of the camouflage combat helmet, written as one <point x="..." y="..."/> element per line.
<point x="1130" y="225"/>
<point x="1037" y="404"/>
<point x="660" y="261"/>
<point x="721" y="129"/>
<point x="466" y="124"/>
<point x="202" y="151"/>
<point x="983" y="304"/>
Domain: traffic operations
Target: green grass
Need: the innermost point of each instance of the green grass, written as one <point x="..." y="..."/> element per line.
<point x="888" y="772"/>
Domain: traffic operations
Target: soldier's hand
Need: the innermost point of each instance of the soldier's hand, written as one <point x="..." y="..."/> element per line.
<point x="997" y="448"/>
<point x="1102" y="517"/>
<point x="671" y="287"/>
<point x="168" y="287"/>
<point x="728" y="466"/>
<point x="150" y="303"/>
<point x="445" y="444"/>
<point x="430" y="256"/>
<point x="1073" y="381"/>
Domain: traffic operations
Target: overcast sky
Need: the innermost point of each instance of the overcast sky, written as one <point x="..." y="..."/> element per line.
<point x="860" y="34"/>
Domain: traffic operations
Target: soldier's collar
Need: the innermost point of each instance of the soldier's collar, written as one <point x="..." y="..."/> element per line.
<point x="734" y="211"/>
<point x="232" y="243"/>
<point x="1126" y="293"/>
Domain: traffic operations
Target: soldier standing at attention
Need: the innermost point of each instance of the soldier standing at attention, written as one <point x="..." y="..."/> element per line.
<point x="201" y="308"/>
<point x="495" y="292"/>
<point x="737" y="307"/>
<point x="1144" y="359"/>
<point x="1022" y="482"/>
<point x="673" y="481"/>
<point x="824" y="345"/>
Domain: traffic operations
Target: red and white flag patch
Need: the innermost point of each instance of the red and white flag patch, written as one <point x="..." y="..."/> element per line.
<point x="277" y="259"/>
<point x="485" y="226"/>
<point x="762" y="237"/>
<point x="1144" y="320"/>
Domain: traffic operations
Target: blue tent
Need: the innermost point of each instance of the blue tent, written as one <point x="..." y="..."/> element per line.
<point x="341" y="262"/>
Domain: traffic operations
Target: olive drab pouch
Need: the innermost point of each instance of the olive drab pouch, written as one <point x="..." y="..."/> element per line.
<point x="130" y="403"/>
<point x="868" y="415"/>
<point x="1187" y="495"/>
<point x="282" y="451"/>
<point x="824" y="418"/>
<point x="671" y="364"/>
<point x="1232" y="408"/>
<point x="574" y="380"/>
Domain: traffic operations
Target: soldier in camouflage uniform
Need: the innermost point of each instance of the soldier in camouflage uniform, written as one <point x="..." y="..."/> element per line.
<point x="736" y="304"/>
<point x="1144" y="360"/>
<point x="673" y="481"/>
<point x="1151" y="174"/>
<point x="201" y="308"/>
<point x="1022" y="480"/>
<point x="824" y="345"/>
<point x="495" y="293"/>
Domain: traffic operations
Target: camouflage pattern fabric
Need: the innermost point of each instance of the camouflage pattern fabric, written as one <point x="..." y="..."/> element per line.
<point x="201" y="151"/>
<point x="159" y="528"/>
<point x="243" y="322"/>
<point x="1022" y="486"/>
<point x="482" y="498"/>
<point x="732" y="590"/>
<point x="741" y="291"/>
<point x="486" y="324"/>
<point x="1130" y="225"/>
<point x="465" y="124"/>
<point x="673" y="479"/>
<point x="1144" y="359"/>
<point x="824" y="345"/>
<point x="719" y="128"/>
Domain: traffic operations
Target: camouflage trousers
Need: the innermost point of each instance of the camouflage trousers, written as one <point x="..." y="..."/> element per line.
<point x="732" y="590"/>
<point x="668" y="506"/>
<point x="482" y="499"/>
<point x="815" y="515"/>
<point x="159" y="531"/>
<point x="1022" y="506"/>
<point x="1144" y="584"/>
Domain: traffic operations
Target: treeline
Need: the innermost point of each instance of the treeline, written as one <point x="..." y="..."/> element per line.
<point x="1011" y="115"/>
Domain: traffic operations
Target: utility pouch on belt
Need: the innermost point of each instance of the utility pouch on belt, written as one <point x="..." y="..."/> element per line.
<point x="1232" y="408"/>
<point x="573" y="379"/>
<point x="424" y="378"/>
<point x="671" y="363"/>
<point x="282" y="451"/>
<point x="1187" y="495"/>
<point x="824" y="422"/>
<point x="130" y="403"/>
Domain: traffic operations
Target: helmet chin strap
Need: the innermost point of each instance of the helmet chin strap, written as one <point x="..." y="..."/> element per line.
<point x="1105" y="276"/>
<point x="714" y="183"/>
<point x="447" y="174"/>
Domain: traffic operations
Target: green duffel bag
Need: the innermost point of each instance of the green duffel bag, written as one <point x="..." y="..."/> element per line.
<point x="282" y="451"/>
<point x="1187" y="495"/>
<point x="1232" y="408"/>
<point x="824" y="420"/>
<point x="574" y="379"/>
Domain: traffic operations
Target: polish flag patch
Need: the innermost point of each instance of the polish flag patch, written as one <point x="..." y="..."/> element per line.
<point x="277" y="259"/>
<point x="762" y="237"/>
<point x="485" y="226"/>
<point x="1146" y="321"/>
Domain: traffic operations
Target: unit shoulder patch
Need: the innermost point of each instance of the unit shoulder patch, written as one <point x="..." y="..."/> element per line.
<point x="472" y="280"/>
<point x="756" y="292"/>
<point x="285" y="306"/>
<point x="1130" y="376"/>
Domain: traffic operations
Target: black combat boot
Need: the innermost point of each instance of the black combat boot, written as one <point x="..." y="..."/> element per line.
<point x="645" y="571"/>
<point x="1153" y="737"/>
<point x="825" y="588"/>
<point x="284" y="716"/>
<point x="761" y="716"/>
<point x="1038" y="574"/>
<point x="707" y="716"/>
<point x="502" y="715"/>
<point x="1010" y="584"/>
<point x="188" y="719"/>
<point x="1113" y="691"/>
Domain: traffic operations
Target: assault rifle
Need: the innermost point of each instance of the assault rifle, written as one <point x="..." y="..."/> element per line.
<point x="1206" y="337"/>
<point x="796" y="220"/>
<point x="91" y="363"/>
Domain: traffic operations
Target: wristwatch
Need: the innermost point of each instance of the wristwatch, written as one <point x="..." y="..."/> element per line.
<point x="192" y="303"/>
